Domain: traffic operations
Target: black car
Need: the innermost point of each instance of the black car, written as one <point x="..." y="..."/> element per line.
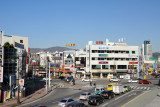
<point x="108" y="94"/>
<point x="157" y="76"/>
<point x="62" y="77"/>
<point x="95" y="100"/>
<point x="76" y="104"/>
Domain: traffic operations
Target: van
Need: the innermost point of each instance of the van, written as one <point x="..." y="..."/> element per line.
<point x="110" y="86"/>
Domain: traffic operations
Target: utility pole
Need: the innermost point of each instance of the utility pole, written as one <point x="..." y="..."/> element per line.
<point x="49" y="75"/>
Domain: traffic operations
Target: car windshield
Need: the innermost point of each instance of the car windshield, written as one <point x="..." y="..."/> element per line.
<point x="63" y="101"/>
<point x="109" y="85"/>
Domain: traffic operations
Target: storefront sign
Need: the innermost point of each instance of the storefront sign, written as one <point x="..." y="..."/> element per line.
<point x="103" y="62"/>
<point x="1" y="74"/>
<point x="103" y="55"/>
<point x="133" y="62"/>
<point x="21" y="82"/>
<point x="103" y="47"/>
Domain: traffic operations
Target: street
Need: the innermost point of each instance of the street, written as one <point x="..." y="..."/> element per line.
<point x="52" y="99"/>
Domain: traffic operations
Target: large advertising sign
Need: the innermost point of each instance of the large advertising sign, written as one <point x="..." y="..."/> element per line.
<point x="18" y="45"/>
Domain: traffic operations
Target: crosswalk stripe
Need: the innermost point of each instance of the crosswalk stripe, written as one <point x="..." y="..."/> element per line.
<point x="148" y="88"/>
<point x="135" y="87"/>
<point x="145" y="88"/>
<point x="141" y="88"/>
<point x="138" y="88"/>
<point x="132" y="87"/>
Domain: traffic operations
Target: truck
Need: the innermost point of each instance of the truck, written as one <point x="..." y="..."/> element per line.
<point x="118" y="89"/>
<point x="110" y="86"/>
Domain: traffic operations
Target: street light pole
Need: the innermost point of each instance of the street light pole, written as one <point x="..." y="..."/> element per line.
<point x="49" y="75"/>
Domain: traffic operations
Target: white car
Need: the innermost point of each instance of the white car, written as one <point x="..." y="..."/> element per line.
<point x="47" y="79"/>
<point x="86" y="79"/>
<point x="114" y="80"/>
<point x="132" y="80"/>
<point x="84" y="95"/>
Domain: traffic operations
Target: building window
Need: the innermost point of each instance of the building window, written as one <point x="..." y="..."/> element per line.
<point x="96" y="66"/>
<point x="127" y="59"/>
<point x="112" y="66"/>
<point x="133" y="52"/>
<point x="93" y="58"/>
<point x="105" y="67"/>
<point x="122" y="66"/>
<point x="21" y="41"/>
<point x="127" y="52"/>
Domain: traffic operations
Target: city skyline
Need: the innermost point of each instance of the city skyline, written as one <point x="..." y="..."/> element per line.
<point x="55" y="23"/>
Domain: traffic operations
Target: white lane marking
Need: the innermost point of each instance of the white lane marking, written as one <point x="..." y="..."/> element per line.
<point x="138" y="88"/>
<point x="132" y="94"/>
<point x="132" y="87"/>
<point x="123" y="95"/>
<point x="148" y="88"/>
<point x="135" y="87"/>
<point x="144" y="88"/>
<point x="104" y="105"/>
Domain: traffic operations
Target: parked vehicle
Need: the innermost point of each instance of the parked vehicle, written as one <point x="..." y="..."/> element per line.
<point x="47" y="79"/>
<point x="144" y="82"/>
<point x="127" y="88"/>
<point x="99" y="90"/>
<point x="76" y="104"/>
<point x="157" y="76"/>
<point x="62" y="77"/>
<point x="95" y="100"/>
<point x="86" y="80"/>
<point x="114" y="80"/>
<point x="108" y="94"/>
<point x="65" y="102"/>
<point x="118" y="89"/>
<point x="132" y="80"/>
<point x="110" y="86"/>
<point x="154" y="74"/>
<point x="69" y="79"/>
<point x="84" y="95"/>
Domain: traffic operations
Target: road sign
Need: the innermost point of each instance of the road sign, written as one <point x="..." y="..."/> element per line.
<point x="21" y="82"/>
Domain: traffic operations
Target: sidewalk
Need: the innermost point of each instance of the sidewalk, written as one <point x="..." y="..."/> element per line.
<point x="13" y="102"/>
<point x="146" y="99"/>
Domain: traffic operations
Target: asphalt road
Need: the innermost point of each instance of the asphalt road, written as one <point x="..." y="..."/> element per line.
<point x="53" y="98"/>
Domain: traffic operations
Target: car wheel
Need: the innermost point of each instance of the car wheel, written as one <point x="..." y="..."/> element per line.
<point x="97" y="103"/>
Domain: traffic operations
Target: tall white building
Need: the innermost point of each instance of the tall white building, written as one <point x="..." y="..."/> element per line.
<point x="146" y="50"/>
<point x="114" y="58"/>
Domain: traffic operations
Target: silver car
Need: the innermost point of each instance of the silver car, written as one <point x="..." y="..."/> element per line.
<point x="84" y="96"/>
<point x="65" y="102"/>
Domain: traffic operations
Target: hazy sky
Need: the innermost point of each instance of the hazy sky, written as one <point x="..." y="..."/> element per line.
<point x="50" y="23"/>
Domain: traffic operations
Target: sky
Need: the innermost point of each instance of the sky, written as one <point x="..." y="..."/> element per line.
<point x="49" y="23"/>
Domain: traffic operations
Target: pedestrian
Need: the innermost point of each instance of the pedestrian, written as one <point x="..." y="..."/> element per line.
<point x="90" y="83"/>
<point x="94" y="84"/>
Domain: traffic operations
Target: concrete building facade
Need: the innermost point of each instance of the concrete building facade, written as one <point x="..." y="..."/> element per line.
<point x="110" y="58"/>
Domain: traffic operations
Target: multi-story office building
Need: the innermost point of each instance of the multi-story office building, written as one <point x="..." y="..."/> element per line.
<point x="113" y="58"/>
<point x="146" y="50"/>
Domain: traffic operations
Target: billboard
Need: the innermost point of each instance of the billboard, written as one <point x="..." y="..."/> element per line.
<point x="18" y="45"/>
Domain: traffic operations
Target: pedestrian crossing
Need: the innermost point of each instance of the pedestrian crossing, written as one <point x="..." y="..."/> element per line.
<point x="140" y="87"/>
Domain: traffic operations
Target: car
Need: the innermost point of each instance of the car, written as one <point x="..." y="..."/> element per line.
<point x="84" y="95"/>
<point x="47" y="79"/>
<point x="76" y="104"/>
<point x="69" y="79"/>
<point x="114" y="80"/>
<point x="144" y="82"/>
<point x="154" y="74"/>
<point x="139" y="79"/>
<point x="157" y="76"/>
<point x="86" y="80"/>
<point x="132" y="80"/>
<point x="99" y="90"/>
<point x="127" y="88"/>
<point x="64" y="102"/>
<point x="108" y="94"/>
<point x="95" y="100"/>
